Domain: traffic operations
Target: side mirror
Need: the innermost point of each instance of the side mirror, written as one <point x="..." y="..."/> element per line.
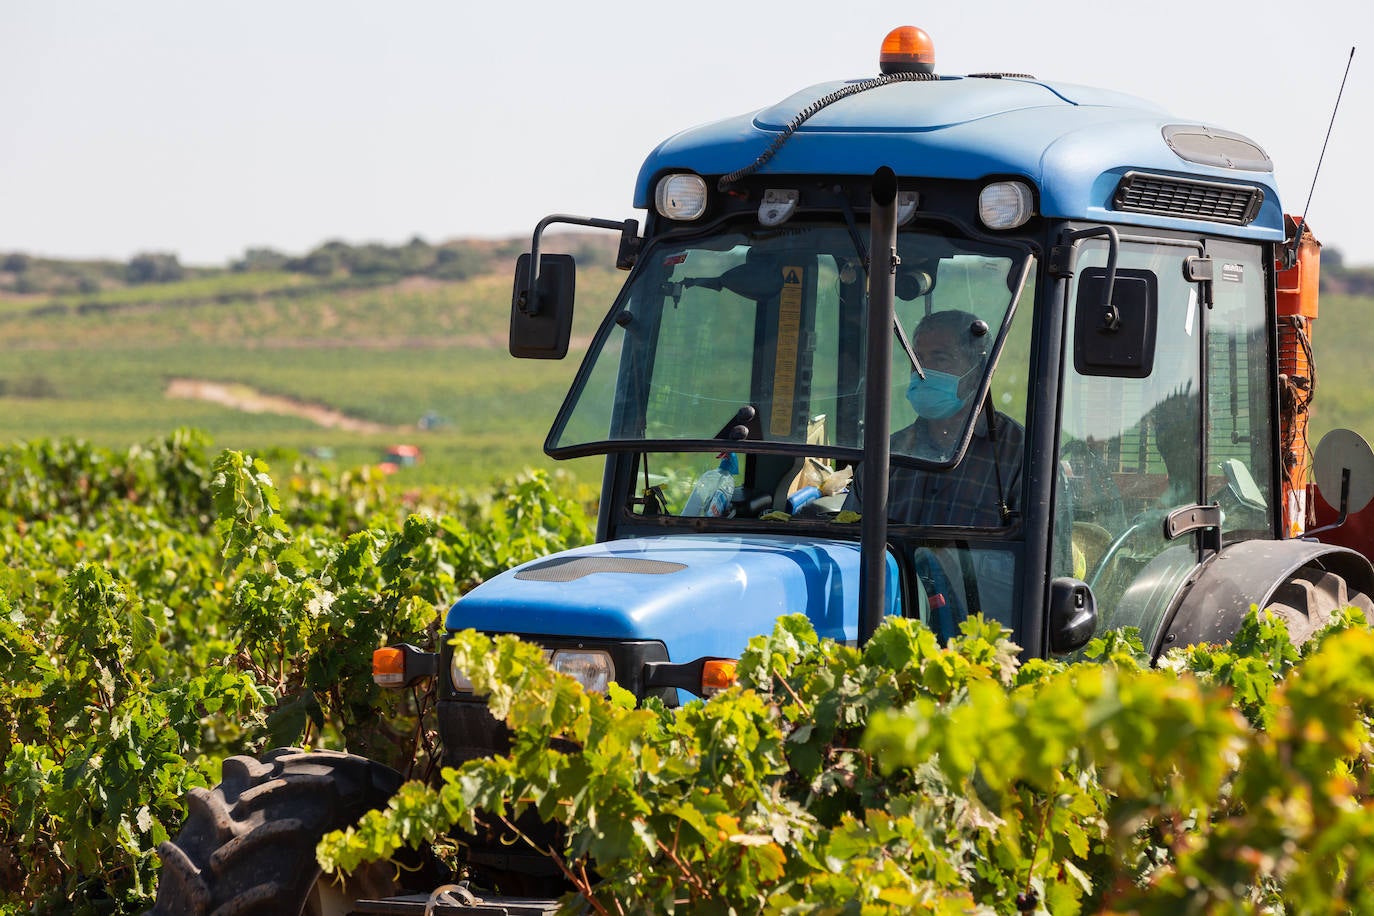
<point x="541" y="320"/>
<point x="1073" y="615"/>
<point x="1114" y="335"/>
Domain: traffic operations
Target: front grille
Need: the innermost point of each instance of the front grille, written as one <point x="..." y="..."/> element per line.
<point x="470" y="731"/>
<point x="1187" y="197"/>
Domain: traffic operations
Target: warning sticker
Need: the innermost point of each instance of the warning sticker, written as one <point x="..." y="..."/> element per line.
<point x="1233" y="273"/>
<point x="785" y="361"/>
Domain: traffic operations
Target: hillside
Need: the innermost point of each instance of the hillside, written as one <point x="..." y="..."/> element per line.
<point x="1342" y="338"/>
<point x="394" y="349"/>
<point x="349" y="349"/>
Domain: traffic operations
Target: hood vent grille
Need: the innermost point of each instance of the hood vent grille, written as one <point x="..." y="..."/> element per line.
<point x="1166" y="195"/>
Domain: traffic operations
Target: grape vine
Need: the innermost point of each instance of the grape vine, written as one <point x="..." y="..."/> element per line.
<point x="163" y="608"/>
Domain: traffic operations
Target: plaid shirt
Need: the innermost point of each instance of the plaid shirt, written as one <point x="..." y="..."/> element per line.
<point x="967" y="494"/>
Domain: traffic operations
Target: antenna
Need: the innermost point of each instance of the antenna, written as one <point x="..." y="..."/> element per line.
<point x="1297" y="234"/>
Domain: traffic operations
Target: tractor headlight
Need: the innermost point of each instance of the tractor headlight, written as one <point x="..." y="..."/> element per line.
<point x="681" y="196"/>
<point x="458" y="677"/>
<point x="592" y="668"/>
<point x="1005" y="204"/>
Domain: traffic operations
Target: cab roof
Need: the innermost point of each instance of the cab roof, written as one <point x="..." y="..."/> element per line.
<point x="1074" y="143"/>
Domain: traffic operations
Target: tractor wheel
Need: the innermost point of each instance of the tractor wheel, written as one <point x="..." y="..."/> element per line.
<point x="248" y="845"/>
<point x="1307" y="601"/>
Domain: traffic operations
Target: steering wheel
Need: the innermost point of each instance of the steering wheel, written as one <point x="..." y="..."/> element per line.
<point x="1147" y="522"/>
<point x="1095" y="495"/>
<point x="1108" y="558"/>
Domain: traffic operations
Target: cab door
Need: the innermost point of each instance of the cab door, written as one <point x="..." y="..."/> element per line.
<point x="1131" y="429"/>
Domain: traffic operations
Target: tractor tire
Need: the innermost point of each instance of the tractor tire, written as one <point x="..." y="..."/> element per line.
<point x="1307" y="601"/>
<point x="248" y="845"/>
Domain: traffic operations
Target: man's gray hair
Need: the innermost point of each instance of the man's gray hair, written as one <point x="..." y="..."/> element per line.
<point x="966" y="327"/>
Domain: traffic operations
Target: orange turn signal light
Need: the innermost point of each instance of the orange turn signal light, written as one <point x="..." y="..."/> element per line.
<point x="718" y="674"/>
<point x="389" y="667"/>
<point x="402" y="665"/>
<point x="907" y="49"/>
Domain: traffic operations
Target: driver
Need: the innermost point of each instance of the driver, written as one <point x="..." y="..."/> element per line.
<point x="985" y="486"/>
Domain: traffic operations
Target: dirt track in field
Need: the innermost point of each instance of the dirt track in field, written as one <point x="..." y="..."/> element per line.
<point x="249" y="400"/>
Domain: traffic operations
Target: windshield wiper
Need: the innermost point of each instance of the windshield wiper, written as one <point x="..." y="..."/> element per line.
<point x="862" y="252"/>
<point x="906" y="345"/>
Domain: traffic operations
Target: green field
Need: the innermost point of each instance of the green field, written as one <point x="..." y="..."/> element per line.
<point x="98" y="367"/>
<point x="1342" y="340"/>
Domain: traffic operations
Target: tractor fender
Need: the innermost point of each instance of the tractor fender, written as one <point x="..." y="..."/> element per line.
<point x="1224" y="587"/>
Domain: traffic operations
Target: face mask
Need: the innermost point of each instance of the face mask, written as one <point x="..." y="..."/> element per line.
<point x="936" y="396"/>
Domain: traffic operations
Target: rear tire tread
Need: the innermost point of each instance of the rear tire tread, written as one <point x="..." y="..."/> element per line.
<point x="248" y="845"/>
<point x="272" y="792"/>
<point x="279" y="832"/>
<point x="182" y="879"/>
<point x="238" y="772"/>
<point x="1307" y="600"/>
<point x="262" y="898"/>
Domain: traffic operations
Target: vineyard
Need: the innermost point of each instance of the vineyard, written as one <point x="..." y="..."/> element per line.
<point x="162" y="609"/>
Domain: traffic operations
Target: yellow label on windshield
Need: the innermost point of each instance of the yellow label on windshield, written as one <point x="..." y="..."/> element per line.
<point x="785" y="362"/>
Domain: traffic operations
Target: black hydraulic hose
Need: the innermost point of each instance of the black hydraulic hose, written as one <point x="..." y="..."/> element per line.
<point x="882" y="278"/>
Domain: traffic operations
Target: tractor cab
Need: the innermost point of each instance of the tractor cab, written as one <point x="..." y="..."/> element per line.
<point x="732" y="366"/>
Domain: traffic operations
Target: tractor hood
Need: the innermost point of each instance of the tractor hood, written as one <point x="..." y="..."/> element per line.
<point x="699" y="594"/>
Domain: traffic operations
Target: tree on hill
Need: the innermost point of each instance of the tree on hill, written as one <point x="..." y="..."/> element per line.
<point x="1337" y="278"/>
<point x="324" y="261"/>
<point x="153" y="267"/>
<point x="260" y="259"/>
<point x="458" y="263"/>
<point x="16" y="262"/>
<point x="418" y="257"/>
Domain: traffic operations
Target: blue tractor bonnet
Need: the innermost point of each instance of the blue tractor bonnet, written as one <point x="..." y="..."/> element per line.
<point x="701" y="595"/>
<point x="1073" y="142"/>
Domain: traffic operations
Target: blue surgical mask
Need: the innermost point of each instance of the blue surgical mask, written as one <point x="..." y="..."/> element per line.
<point x="936" y="396"/>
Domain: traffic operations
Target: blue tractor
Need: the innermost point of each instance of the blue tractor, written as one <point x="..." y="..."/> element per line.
<point x="916" y="344"/>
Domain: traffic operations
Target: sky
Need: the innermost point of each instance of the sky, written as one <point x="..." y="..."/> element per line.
<point x="205" y="128"/>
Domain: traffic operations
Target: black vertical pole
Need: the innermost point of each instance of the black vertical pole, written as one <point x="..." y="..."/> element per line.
<point x="882" y="272"/>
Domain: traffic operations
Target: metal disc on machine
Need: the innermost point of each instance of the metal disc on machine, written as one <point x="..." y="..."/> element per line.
<point x="1338" y="450"/>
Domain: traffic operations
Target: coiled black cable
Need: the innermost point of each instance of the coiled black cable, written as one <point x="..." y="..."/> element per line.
<point x="806" y="113"/>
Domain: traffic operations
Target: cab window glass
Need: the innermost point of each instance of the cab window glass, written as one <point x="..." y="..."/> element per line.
<point x="771" y="320"/>
<point x="1239" y="432"/>
<point x="1128" y="454"/>
<point x="955" y="579"/>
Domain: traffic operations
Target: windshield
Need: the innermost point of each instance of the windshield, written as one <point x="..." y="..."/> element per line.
<point x="757" y="336"/>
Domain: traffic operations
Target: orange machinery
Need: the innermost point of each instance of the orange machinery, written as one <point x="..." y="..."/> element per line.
<point x="1297" y="310"/>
